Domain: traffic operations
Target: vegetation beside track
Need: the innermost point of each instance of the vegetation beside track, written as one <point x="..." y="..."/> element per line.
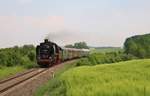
<point x="104" y="58"/>
<point x="16" y="59"/>
<point x="50" y="88"/>
<point x="7" y="71"/>
<point x="18" y="56"/>
<point x="130" y="78"/>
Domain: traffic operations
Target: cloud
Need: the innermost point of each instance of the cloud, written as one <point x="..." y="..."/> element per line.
<point x="22" y="23"/>
<point x="50" y="23"/>
<point x="19" y="30"/>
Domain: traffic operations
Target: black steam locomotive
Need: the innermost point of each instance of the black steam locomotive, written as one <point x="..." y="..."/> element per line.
<point x="49" y="53"/>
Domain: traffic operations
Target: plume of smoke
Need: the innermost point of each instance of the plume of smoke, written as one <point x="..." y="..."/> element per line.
<point x="64" y="37"/>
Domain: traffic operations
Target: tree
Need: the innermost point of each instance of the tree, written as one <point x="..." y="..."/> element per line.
<point x="78" y="45"/>
<point x="69" y="46"/>
<point x="138" y="46"/>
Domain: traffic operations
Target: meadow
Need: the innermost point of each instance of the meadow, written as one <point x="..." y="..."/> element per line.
<point x="129" y="78"/>
<point x="105" y="49"/>
<point x="8" y="71"/>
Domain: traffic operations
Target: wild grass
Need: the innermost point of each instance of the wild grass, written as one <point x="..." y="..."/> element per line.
<point x="130" y="78"/>
<point x="7" y="71"/>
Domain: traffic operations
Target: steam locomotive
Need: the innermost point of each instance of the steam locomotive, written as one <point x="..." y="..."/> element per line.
<point x="49" y="53"/>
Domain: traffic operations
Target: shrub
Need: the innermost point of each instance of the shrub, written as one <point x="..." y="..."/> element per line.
<point x="102" y="58"/>
<point x="18" y="56"/>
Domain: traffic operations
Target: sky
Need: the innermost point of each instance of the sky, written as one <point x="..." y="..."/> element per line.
<point x="97" y="22"/>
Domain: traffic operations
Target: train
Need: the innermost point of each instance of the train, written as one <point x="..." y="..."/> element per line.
<point x="49" y="53"/>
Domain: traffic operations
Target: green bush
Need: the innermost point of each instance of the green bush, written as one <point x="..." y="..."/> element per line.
<point x="31" y="55"/>
<point x="102" y="58"/>
<point x="83" y="61"/>
<point x="18" y="56"/>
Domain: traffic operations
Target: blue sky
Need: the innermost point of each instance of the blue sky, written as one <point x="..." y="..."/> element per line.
<point x="98" y="22"/>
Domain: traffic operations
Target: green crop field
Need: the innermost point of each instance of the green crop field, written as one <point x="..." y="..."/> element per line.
<point x="130" y="78"/>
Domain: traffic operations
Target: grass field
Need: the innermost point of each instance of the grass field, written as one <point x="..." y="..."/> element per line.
<point x="104" y="50"/>
<point x="7" y="71"/>
<point x="130" y="78"/>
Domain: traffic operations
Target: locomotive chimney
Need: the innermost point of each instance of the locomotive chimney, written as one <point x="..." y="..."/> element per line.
<point x="45" y="40"/>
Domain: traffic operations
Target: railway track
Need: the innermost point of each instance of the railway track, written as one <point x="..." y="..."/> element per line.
<point x="26" y="83"/>
<point x="9" y="83"/>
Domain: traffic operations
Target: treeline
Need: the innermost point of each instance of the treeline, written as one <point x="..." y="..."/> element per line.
<point x="138" y="46"/>
<point x="105" y="58"/>
<point x="24" y="56"/>
<point x="134" y="47"/>
<point x="78" y="45"/>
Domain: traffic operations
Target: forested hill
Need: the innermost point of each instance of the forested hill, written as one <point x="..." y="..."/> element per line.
<point x="138" y="46"/>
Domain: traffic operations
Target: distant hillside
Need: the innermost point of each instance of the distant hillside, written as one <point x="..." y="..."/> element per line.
<point x="138" y="46"/>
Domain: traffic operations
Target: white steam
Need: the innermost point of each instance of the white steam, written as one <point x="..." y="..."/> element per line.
<point x="64" y="37"/>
